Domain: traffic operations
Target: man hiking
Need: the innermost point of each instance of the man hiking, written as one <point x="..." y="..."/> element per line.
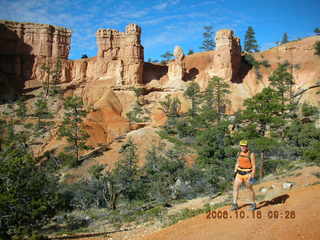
<point x="244" y="172"/>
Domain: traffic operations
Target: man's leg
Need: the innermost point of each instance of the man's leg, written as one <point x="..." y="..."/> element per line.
<point x="253" y="195"/>
<point x="236" y="185"/>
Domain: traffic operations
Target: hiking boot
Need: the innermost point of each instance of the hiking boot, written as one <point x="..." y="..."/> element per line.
<point x="234" y="207"/>
<point x="253" y="207"/>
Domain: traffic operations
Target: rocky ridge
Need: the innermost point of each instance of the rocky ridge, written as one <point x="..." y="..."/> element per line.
<point x="104" y="82"/>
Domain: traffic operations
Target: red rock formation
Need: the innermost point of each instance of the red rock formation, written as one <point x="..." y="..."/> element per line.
<point x="25" y="47"/>
<point x="227" y="56"/>
<point x="123" y="52"/>
<point x="34" y="39"/>
<point x="176" y="71"/>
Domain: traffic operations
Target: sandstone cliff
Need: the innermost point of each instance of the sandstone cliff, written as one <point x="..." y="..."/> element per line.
<point x="24" y="48"/>
<point x="104" y="82"/>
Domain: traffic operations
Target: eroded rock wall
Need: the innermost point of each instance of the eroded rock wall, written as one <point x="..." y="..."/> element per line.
<point x="123" y="52"/>
<point x="227" y="56"/>
<point x="25" y="47"/>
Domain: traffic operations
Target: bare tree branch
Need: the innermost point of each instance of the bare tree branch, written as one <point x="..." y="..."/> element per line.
<point x="300" y="92"/>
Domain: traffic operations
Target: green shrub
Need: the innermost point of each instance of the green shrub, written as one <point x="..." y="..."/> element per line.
<point x="312" y="153"/>
<point x="317" y="48"/>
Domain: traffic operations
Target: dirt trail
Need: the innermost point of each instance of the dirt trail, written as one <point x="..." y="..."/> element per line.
<point x="303" y="202"/>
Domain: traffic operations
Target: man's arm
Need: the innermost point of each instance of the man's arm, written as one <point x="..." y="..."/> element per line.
<point x="253" y="163"/>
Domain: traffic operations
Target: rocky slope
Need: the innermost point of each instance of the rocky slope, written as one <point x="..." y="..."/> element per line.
<point x="296" y="207"/>
<point x="104" y="82"/>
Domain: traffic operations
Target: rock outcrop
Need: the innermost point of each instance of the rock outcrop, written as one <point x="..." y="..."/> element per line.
<point x="227" y="57"/>
<point x="176" y="71"/>
<point x="34" y="39"/>
<point x="119" y="65"/>
<point x="123" y="53"/>
<point x="25" y="47"/>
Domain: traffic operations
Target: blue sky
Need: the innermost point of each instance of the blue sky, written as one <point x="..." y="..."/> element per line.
<point x="167" y="23"/>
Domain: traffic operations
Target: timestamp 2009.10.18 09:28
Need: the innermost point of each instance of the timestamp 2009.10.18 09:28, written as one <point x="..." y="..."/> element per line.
<point x="271" y="214"/>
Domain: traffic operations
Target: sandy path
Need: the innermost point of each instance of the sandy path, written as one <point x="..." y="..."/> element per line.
<point x="305" y="202"/>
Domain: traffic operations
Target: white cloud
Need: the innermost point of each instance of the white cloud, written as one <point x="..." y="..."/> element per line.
<point x="161" y="6"/>
<point x="165" y="4"/>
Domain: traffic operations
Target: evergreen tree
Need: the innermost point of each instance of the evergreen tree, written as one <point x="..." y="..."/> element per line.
<point x="284" y="38"/>
<point x="208" y="113"/>
<point x="211" y="143"/>
<point x="127" y="171"/>
<point x="56" y="75"/>
<point x="250" y="42"/>
<point x="162" y="170"/>
<point x="317" y="48"/>
<point x="21" y="108"/>
<point x="138" y="113"/>
<point x="71" y="127"/>
<point x="262" y="111"/>
<point x="261" y="121"/>
<point x="193" y="94"/>
<point x="171" y="107"/>
<point x="282" y="82"/>
<point x="317" y="31"/>
<point x="28" y="195"/>
<point x="52" y="78"/>
<point x="208" y="42"/>
<point x="41" y="111"/>
<point x="302" y="138"/>
<point x="108" y="188"/>
<point x="220" y="91"/>
<point x="190" y="52"/>
<point x="167" y="56"/>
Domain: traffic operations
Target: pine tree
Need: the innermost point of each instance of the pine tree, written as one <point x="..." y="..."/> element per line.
<point x="250" y="42"/>
<point x="171" y="106"/>
<point x="127" y="170"/>
<point x="220" y="91"/>
<point x="28" y="195"/>
<point x="138" y="113"/>
<point x="190" y="52"/>
<point x="284" y="38"/>
<point x="71" y="127"/>
<point x="208" y="42"/>
<point x="282" y="82"/>
<point x="52" y="78"/>
<point x="41" y="111"/>
<point x="317" y="31"/>
<point x="167" y="56"/>
<point x="162" y="170"/>
<point x="208" y="113"/>
<point x="317" y="48"/>
<point x="260" y="123"/>
<point x="56" y="75"/>
<point x="106" y="179"/>
<point x="193" y="94"/>
<point x="262" y="111"/>
<point x="211" y="145"/>
<point x="21" y="108"/>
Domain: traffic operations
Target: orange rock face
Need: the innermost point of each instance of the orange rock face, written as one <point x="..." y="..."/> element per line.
<point x="123" y="52"/>
<point x="104" y="81"/>
<point x="227" y="57"/>
<point x="25" y="47"/>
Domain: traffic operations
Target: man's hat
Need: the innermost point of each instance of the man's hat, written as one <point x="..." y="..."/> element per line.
<point x="243" y="143"/>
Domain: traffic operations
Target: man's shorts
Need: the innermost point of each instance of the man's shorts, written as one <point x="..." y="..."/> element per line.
<point x="244" y="175"/>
